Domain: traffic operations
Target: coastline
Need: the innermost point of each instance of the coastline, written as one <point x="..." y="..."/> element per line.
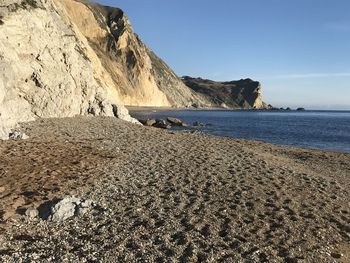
<point x="167" y="195"/>
<point x="279" y="127"/>
<point x="152" y="108"/>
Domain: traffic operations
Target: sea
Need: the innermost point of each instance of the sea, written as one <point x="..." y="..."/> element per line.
<point x="327" y="130"/>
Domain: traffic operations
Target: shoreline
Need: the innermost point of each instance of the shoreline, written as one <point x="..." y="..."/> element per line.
<point x="221" y="128"/>
<point x="163" y="195"/>
<point x="152" y="108"/>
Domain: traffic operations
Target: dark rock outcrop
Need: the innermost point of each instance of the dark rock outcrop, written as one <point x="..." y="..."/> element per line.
<point x="244" y="93"/>
<point x="161" y="124"/>
<point x="148" y="122"/>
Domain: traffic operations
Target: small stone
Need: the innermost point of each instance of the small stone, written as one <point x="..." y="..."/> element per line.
<point x="18" y="135"/>
<point x="2" y="189"/>
<point x="32" y="212"/>
<point x="336" y="255"/>
<point x="86" y="204"/>
<point x="85" y="207"/>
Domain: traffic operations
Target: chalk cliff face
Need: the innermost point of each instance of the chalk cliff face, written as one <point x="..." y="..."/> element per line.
<point x="47" y="68"/>
<point x="138" y="75"/>
<point x="60" y="58"/>
<point x="244" y="93"/>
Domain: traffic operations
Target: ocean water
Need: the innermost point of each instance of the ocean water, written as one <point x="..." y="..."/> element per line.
<point x="329" y="130"/>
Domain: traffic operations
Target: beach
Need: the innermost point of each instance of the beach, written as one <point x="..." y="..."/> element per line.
<point x="169" y="196"/>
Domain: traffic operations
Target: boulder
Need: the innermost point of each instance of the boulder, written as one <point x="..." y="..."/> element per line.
<point x="161" y="124"/>
<point x="177" y="122"/>
<point x="69" y="207"/>
<point x="148" y="122"/>
<point x="122" y="113"/>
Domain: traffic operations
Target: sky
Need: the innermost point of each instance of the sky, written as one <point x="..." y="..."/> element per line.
<point x="299" y="49"/>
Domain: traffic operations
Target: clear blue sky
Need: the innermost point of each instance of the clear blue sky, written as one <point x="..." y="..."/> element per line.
<point x="298" y="49"/>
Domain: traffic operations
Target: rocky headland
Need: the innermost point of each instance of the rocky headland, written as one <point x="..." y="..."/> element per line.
<point x="240" y="94"/>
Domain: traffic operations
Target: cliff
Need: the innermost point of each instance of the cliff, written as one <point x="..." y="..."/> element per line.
<point x="61" y="58"/>
<point x="139" y="76"/>
<point x="243" y="94"/>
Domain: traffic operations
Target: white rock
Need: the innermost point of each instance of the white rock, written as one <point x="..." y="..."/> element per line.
<point x="64" y="209"/>
<point x="85" y="207"/>
<point x="122" y="113"/>
<point x="32" y="212"/>
<point x="69" y="207"/>
<point x="17" y="135"/>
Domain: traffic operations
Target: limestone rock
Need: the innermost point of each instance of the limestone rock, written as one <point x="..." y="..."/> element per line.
<point x="122" y="113"/>
<point x="84" y="207"/>
<point x="177" y="122"/>
<point x="69" y="207"/>
<point x="64" y="209"/>
<point x="32" y="212"/>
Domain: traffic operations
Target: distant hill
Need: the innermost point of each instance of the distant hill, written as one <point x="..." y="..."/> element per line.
<point x="244" y="93"/>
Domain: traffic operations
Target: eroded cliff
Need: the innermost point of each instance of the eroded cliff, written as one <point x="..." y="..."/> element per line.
<point x="47" y="68"/>
<point x="139" y="76"/>
<point x="61" y="58"/>
<point x="241" y="94"/>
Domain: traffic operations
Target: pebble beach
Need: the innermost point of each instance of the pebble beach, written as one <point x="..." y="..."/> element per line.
<point x="170" y="196"/>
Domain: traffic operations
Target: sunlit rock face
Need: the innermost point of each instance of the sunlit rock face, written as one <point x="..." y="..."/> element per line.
<point x="61" y="58"/>
<point x="137" y="74"/>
